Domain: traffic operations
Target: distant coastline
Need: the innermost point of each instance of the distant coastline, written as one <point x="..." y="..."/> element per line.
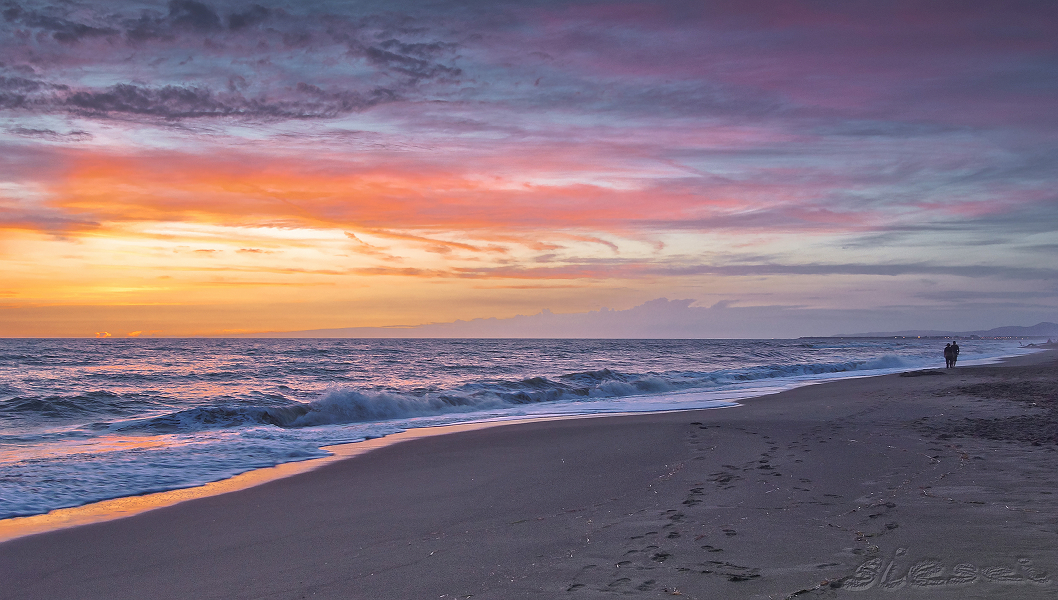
<point x="1010" y="332"/>
<point x="660" y="318"/>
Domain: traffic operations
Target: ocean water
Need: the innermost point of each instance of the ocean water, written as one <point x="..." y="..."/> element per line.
<point x="87" y="420"/>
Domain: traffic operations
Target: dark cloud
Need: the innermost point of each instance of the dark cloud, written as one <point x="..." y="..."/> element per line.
<point x="146" y="29"/>
<point x="49" y="134"/>
<point x="175" y="102"/>
<point x="297" y="39"/>
<point x="21" y="92"/>
<point x="15" y="91"/>
<point x="248" y="80"/>
<point x="419" y="50"/>
<point x="254" y="15"/>
<point x="414" y="67"/>
<point x="62" y="30"/>
<point x="169" y="102"/>
<point x="193" y="15"/>
<point x="184" y="16"/>
<point x="190" y="17"/>
<point x="303" y="100"/>
<point x="20" y="84"/>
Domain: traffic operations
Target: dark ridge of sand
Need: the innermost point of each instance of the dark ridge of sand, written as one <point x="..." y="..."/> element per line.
<point x="939" y="486"/>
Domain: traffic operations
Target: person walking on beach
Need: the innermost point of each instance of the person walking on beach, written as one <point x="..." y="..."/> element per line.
<point x="954" y="352"/>
<point x="947" y="356"/>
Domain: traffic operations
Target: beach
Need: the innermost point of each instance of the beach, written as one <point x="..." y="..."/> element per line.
<point x="937" y="485"/>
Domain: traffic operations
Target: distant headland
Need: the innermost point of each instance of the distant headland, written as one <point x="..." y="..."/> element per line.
<point x="1014" y="332"/>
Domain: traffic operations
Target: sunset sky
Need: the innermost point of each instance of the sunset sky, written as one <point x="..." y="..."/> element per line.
<point x="187" y="168"/>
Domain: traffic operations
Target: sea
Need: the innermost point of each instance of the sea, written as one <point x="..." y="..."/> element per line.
<point x="83" y="420"/>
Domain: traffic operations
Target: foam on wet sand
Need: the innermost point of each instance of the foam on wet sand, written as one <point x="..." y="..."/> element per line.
<point x="931" y="487"/>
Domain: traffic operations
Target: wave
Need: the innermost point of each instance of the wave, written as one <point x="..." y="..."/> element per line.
<point x="888" y="361"/>
<point x="344" y="405"/>
<point x="66" y="407"/>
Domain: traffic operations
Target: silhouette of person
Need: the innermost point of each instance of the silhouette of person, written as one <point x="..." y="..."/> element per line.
<point x="947" y="356"/>
<point x="954" y="352"/>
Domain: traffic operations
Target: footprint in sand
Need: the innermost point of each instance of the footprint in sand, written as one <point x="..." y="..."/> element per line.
<point x="724" y="479"/>
<point x="691" y="500"/>
<point x="733" y="572"/>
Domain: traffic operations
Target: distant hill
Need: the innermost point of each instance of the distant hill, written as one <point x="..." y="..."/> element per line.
<point x="1039" y="330"/>
<point x="659" y="318"/>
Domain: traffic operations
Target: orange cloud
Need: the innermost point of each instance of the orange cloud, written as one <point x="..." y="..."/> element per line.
<point x="384" y="197"/>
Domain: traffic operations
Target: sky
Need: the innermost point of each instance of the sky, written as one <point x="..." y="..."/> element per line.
<point x="798" y="168"/>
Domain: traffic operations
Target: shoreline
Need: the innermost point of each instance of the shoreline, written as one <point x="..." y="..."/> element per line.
<point x="857" y="487"/>
<point x="123" y="507"/>
<point x="126" y="506"/>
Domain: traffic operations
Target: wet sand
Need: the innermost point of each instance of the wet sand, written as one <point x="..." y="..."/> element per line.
<point x="933" y="486"/>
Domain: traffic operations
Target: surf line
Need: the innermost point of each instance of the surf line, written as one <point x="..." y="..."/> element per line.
<point x="128" y="506"/>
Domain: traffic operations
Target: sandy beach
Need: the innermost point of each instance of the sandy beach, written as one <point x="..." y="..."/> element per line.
<point x="937" y="485"/>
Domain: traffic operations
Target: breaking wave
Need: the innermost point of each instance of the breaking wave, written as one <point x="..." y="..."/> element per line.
<point x="344" y="405"/>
